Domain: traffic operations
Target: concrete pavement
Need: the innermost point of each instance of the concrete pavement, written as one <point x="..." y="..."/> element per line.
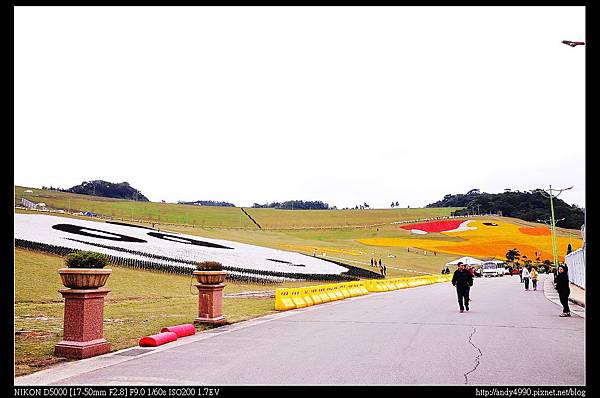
<point x="411" y="336"/>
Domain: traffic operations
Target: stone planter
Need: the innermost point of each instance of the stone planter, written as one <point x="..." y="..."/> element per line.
<point x="210" y="277"/>
<point x="210" y="297"/>
<point x="84" y="278"/>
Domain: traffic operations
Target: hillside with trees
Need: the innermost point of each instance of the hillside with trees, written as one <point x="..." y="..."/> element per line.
<point x="528" y="206"/>
<point x="121" y="190"/>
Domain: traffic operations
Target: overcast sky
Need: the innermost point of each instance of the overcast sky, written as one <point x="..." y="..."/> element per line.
<point x="340" y="104"/>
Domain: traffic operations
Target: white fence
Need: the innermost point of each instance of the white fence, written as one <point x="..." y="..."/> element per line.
<point x="576" y="263"/>
<point x="28" y="204"/>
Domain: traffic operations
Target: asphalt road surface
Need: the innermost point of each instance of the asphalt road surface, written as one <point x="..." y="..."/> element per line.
<point x="412" y="336"/>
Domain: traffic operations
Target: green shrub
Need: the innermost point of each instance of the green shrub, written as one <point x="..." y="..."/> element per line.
<point x="209" y="266"/>
<point x="86" y="260"/>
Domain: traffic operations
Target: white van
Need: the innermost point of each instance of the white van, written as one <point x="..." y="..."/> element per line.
<point x="493" y="268"/>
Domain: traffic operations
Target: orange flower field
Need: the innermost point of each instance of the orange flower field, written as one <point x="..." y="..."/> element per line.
<point x="488" y="241"/>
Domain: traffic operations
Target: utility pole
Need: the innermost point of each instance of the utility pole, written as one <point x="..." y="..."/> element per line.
<point x="551" y="195"/>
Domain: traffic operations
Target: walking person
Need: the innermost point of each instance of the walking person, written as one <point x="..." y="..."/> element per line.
<point x="384" y="270"/>
<point x="463" y="281"/>
<point x="521" y="274"/>
<point x="534" y="278"/>
<point x="371" y="261"/>
<point x="562" y="287"/>
<point x="525" y="274"/>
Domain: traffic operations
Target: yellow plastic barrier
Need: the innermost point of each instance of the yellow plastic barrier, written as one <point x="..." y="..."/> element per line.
<point x="331" y="293"/>
<point x="305" y="294"/>
<point x="343" y="288"/>
<point x="382" y="286"/>
<point x="297" y="298"/>
<point x="354" y="290"/>
<point x="323" y="294"/>
<point x="314" y="294"/>
<point x="283" y="300"/>
<point x="369" y="285"/>
<point x="400" y="283"/>
<point x="337" y="291"/>
<point x="412" y="282"/>
<point x="362" y="287"/>
<point x="390" y="285"/>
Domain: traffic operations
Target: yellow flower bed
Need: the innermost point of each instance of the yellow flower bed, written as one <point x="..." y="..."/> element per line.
<point x="486" y="241"/>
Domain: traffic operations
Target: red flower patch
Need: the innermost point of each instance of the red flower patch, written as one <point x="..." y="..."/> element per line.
<point x="435" y="226"/>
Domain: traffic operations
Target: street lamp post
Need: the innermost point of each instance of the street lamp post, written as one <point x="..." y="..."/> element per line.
<point x="552" y="219"/>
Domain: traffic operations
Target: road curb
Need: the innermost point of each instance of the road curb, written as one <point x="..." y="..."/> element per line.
<point x="578" y="302"/>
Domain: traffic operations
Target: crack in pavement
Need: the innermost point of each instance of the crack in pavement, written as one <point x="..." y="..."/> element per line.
<point x="476" y="358"/>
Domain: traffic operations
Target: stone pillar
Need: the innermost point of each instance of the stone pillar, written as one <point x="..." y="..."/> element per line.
<point x="210" y="304"/>
<point x="83" y="324"/>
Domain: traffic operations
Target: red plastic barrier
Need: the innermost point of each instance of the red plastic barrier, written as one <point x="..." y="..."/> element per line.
<point x="158" y="339"/>
<point x="181" y="330"/>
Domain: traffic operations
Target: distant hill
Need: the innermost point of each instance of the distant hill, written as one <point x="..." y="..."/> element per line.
<point x="207" y="203"/>
<point x="121" y="190"/>
<point x="528" y="206"/>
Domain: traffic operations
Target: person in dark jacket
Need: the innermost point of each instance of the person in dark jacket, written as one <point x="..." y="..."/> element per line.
<point x="463" y="281"/>
<point x="561" y="283"/>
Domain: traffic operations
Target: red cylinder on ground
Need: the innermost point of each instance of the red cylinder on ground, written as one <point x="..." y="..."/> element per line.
<point x="181" y="330"/>
<point x="158" y="339"/>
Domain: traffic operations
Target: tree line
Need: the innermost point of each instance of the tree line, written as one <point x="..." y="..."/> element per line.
<point x="295" y="205"/>
<point x="528" y="206"/>
<point x="121" y="190"/>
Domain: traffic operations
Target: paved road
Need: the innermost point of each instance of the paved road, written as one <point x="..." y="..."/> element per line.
<point x="412" y="336"/>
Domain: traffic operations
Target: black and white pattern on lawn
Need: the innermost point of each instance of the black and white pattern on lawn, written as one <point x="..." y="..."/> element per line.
<point x="178" y="254"/>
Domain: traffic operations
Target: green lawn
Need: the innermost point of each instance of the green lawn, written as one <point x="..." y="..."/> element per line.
<point x="128" y="210"/>
<point x="139" y="304"/>
<point x="285" y="219"/>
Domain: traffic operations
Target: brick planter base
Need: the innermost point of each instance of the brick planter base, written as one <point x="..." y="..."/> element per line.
<point x="210" y="304"/>
<point x="83" y="324"/>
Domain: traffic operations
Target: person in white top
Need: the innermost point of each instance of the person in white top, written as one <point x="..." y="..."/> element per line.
<point x="525" y="274"/>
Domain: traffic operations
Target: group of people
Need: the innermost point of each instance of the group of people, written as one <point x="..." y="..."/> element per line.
<point x="462" y="279"/>
<point x="382" y="267"/>
<point x="527" y="273"/>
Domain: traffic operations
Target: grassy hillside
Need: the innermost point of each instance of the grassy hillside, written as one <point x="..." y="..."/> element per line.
<point x="276" y="219"/>
<point x="231" y="217"/>
<point x="223" y="217"/>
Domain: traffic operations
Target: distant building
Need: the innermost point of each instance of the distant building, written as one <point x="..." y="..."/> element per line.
<point x="28" y="191"/>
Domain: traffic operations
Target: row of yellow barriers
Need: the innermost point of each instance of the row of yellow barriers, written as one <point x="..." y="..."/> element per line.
<point x="384" y="285"/>
<point x="300" y="297"/>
